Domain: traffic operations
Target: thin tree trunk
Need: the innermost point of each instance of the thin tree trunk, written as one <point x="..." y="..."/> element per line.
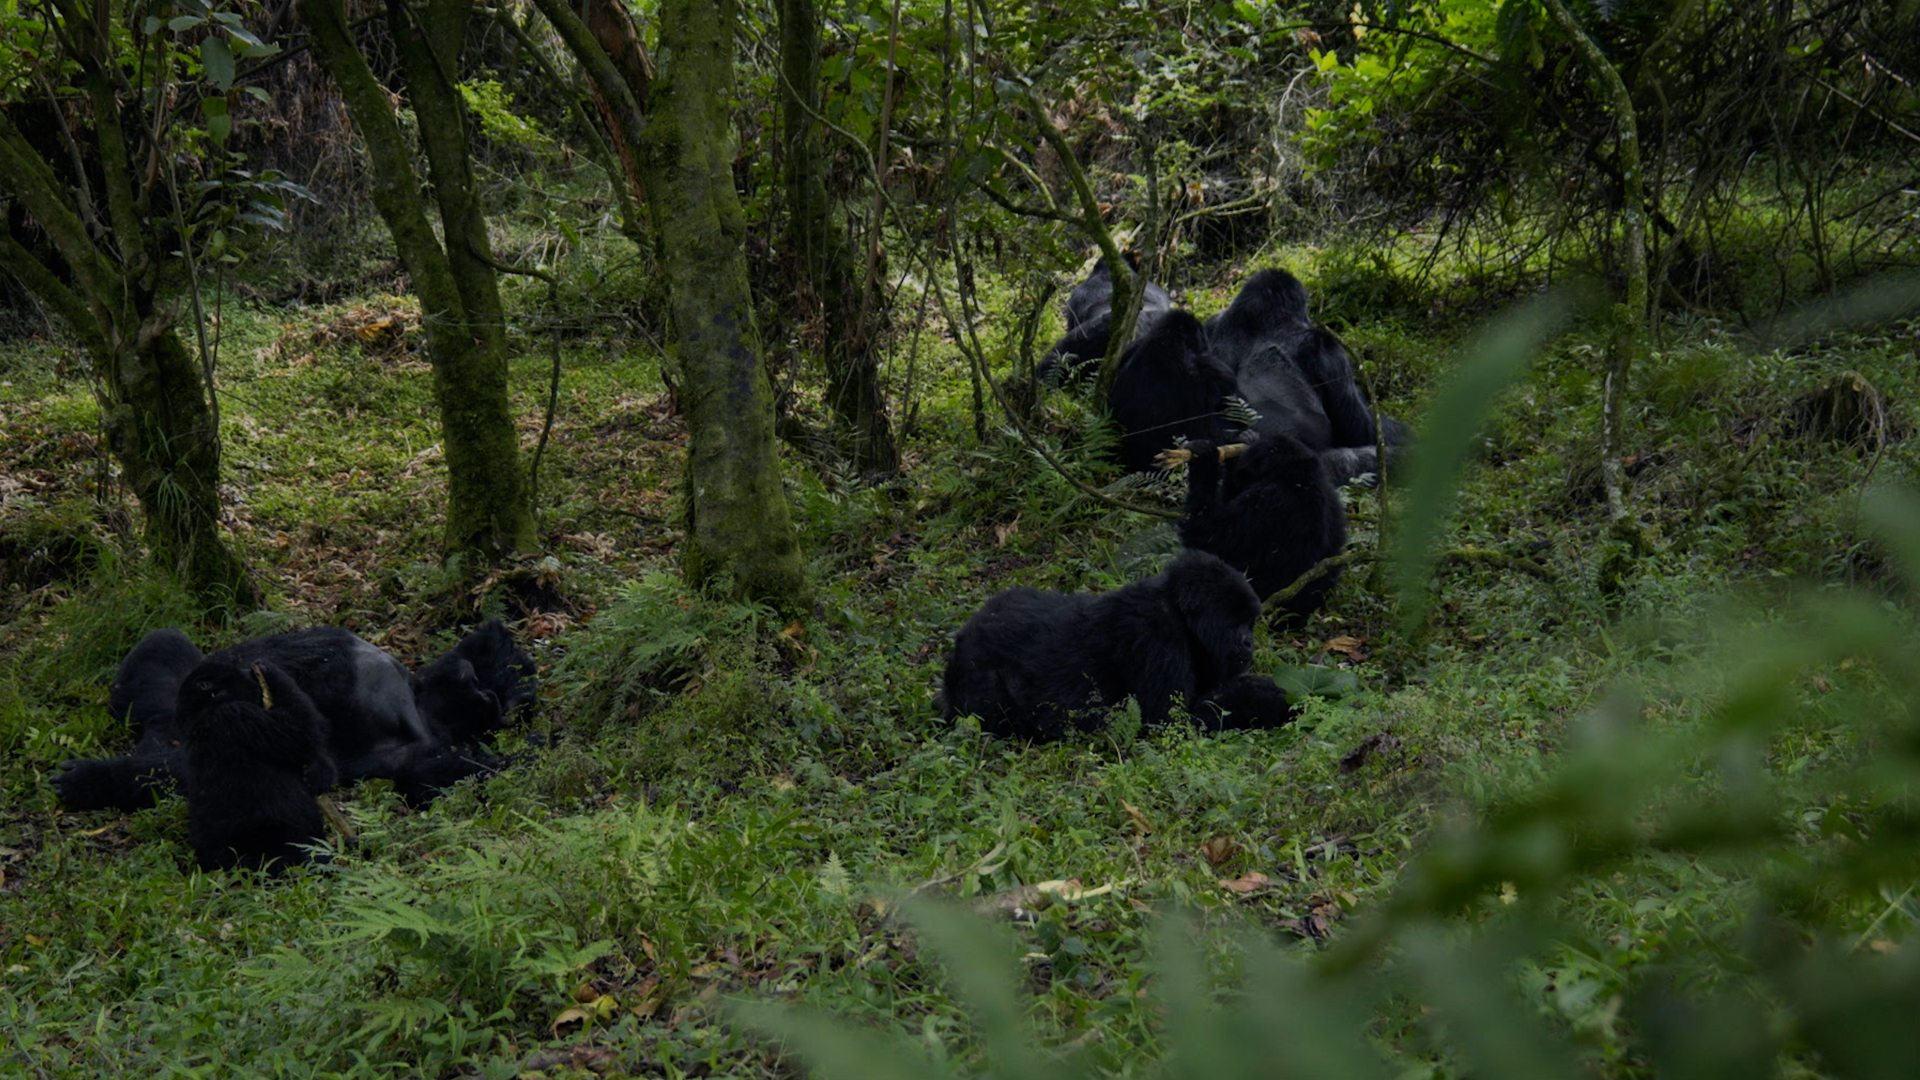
<point x="853" y="383"/>
<point x="1629" y="316"/>
<point x="487" y="510"/>
<point x="154" y="404"/>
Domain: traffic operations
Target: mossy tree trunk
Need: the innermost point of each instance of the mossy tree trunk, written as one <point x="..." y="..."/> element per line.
<point x="676" y="122"/>
<point x="815" y="232"/>
<point x="738" y="518"/>
<point x="487" y="511"/>
<point x="155" y="404"/>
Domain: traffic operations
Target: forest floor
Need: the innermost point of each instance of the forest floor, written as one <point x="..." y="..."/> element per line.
<point x="710" y="806"/>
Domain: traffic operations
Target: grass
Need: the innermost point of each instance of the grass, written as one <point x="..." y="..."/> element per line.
<point x="710" y="805"/>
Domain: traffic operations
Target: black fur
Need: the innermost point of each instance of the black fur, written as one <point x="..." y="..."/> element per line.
<point x="1034" y="665"/>
<point x="1271" y="512"/>
<point x="251" y="771"/>
<point x="1246" y="702"/>
<point x="1169" y="386"/>
<point x="1298" y="377"/>
<point x="1090" y="322"/>
<point x="380" y="719"/>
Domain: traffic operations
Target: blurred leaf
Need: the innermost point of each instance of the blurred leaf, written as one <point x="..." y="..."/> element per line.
<point x="1492" y="360"/>
<point x="1471" y="998"/>
<point x="834" y="1048"/>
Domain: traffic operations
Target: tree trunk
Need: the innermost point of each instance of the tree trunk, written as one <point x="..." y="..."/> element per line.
<point x="676" y="123"/>
<point x="487" y="510"/>
<point x="853" y="380"/>
<point x="738" y="510"/>
<point x="1629" y="316"/>
<point x="154" y="401"/>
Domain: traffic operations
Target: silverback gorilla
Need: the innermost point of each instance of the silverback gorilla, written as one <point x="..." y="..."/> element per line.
<point x="380" y="719"/>
<point x="1297" y="376"/>
<point x="253" y="756"/>
<point x="1036" y="665"/>
<point x="1090" y="322"/>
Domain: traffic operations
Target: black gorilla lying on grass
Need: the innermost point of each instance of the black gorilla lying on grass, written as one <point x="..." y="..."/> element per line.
<point x="1035" y="665"/>
<point x="253" y="756"/>
<point x="421" y="731"/>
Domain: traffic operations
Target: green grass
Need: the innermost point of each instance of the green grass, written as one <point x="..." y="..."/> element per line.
<point x="709" y="806"/>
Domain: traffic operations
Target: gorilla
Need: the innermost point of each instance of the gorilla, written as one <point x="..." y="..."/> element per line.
<point x="1246" y="701"/>
<point x="1169" y="385"/>
<point x="380" y="720"/>
<point x="1271" y="512"/>
<point x="253" y="756"/>
<point x="1090" y="322"/>
<point x="1298" y="377"/>
<point x="1036" y="665"/>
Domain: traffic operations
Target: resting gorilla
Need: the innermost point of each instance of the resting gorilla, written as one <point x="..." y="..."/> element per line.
<point x="1090" y="322"/>
<point x="1297" y="376"/>
<point x="253" y="756"/>
<point x="1169" y="384"/>
<point x="381" y="720"/>
<point x="1270" y="512"/>
<point x="1035" y="665"/>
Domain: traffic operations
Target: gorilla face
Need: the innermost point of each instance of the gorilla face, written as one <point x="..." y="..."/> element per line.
<point x="213" y="684"/>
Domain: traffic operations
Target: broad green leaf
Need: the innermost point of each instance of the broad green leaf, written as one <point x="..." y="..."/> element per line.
<point x="218" y="60"/>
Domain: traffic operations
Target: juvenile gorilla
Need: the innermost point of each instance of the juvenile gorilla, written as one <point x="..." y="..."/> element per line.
<point x="254" y="755"/>
<point x="1090" y="322"/>
<point x="1271" y="512"/>
<point x="421" y="731"/>
<point x="1297" y="376"/>
<point x="1169" y="384"/>
<point x="1035" y="665"/>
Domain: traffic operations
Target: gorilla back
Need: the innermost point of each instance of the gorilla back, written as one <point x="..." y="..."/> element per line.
<point x="1090" y="322"/>
<point x="1169" y="385"/>
<point x="1035" y="665"/>
<point x="251" y="768"/>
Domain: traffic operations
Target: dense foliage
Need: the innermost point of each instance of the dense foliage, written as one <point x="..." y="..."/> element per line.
<point x="1564" y="799"/>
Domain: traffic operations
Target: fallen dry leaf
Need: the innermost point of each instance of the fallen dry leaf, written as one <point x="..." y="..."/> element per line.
<point x="1248" y="882"/>
<point x="1139" y="818"/>
<point x="1351" y="647"/>
<point x="1218" y="850"/>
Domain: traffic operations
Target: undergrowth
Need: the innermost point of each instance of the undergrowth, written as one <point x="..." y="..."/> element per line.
<point x="712" y="805"/>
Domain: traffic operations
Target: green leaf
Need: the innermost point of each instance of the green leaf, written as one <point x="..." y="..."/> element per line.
<point x="218" y="60"/>
<point x="184" y="22"/>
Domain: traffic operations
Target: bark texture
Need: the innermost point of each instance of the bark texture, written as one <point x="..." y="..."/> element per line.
<point x="675" y="123"/>
<point x="738" y="518"/>
<point x="816" y="234"/>
<point x="487" y="509"/>
<point x="155" y="405"/>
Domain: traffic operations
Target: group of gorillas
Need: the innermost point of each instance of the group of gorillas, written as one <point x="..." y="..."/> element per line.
<point x="252" y="734"/>
<point x="1262" y="509"/>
